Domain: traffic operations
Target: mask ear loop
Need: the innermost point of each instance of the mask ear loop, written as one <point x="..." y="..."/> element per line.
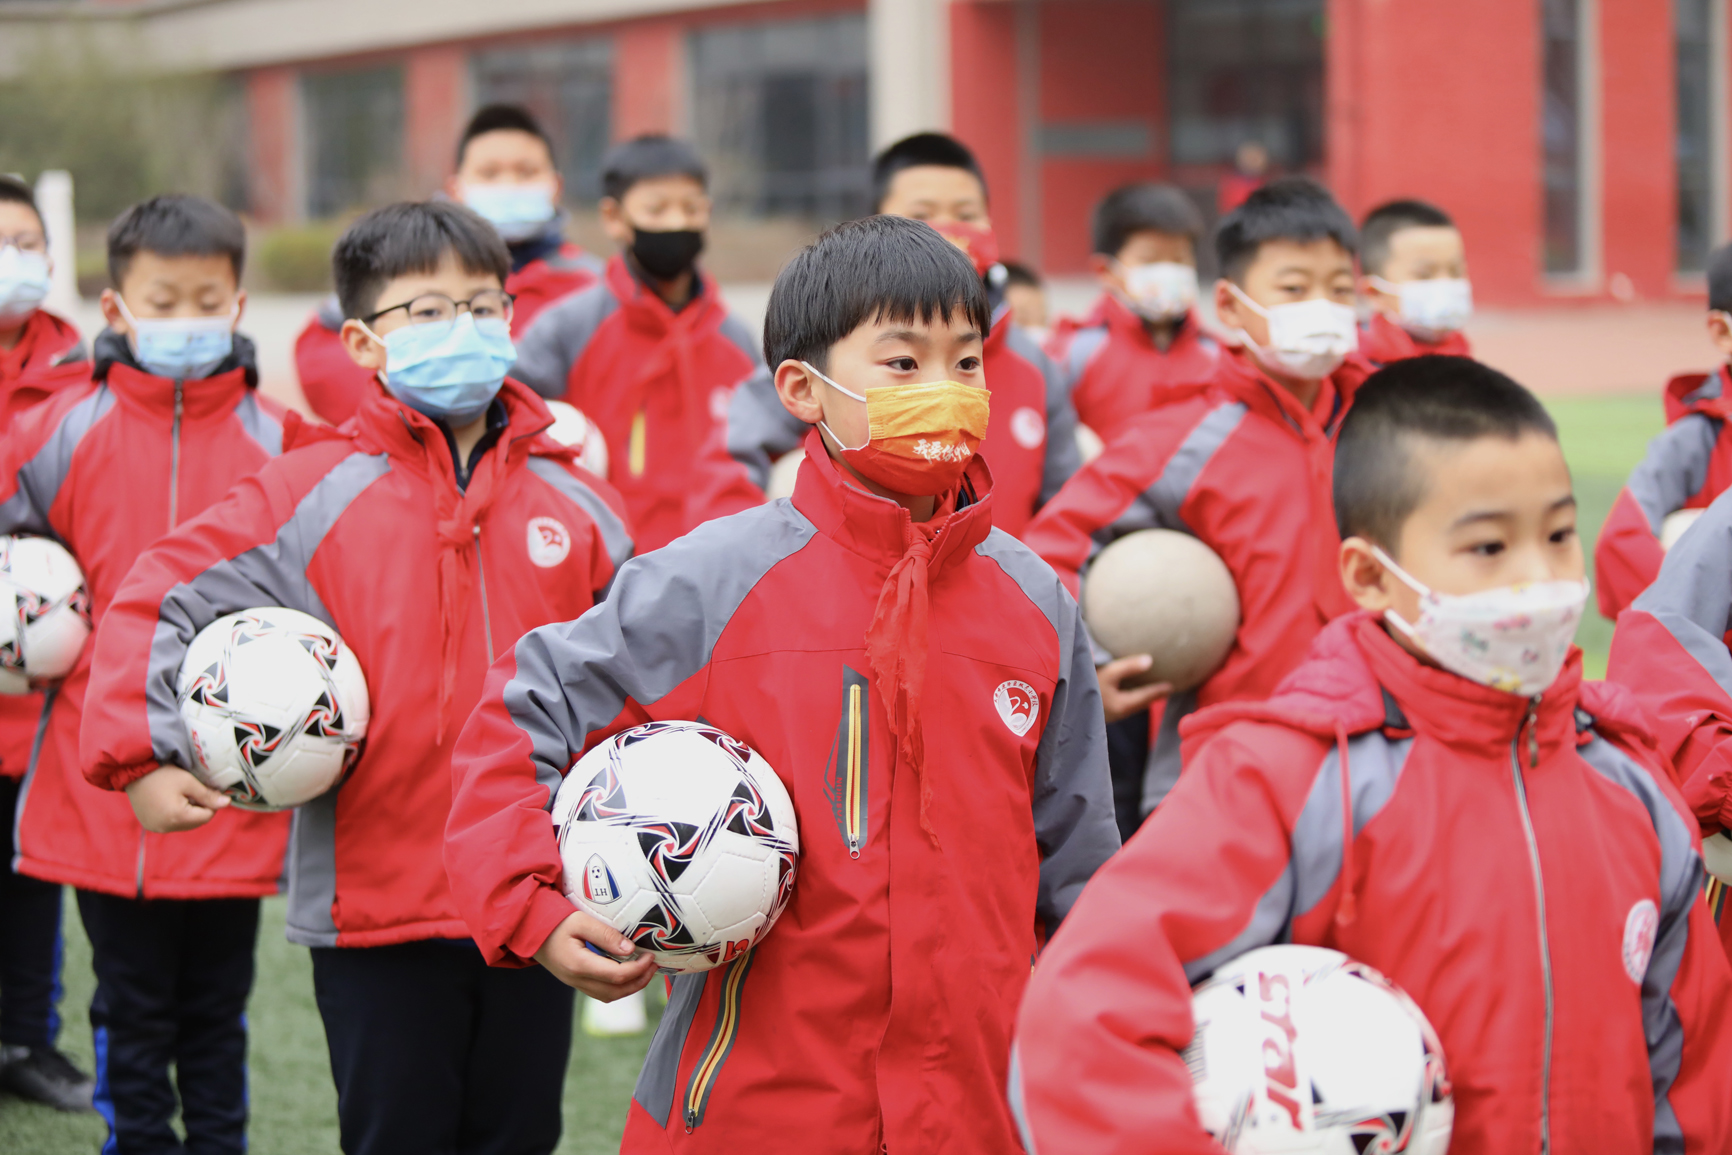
<point x="1407" y="580"/>
<point x="822" y="376"/>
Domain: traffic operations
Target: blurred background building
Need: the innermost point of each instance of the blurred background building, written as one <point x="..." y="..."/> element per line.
<point x="1580" y="143"/>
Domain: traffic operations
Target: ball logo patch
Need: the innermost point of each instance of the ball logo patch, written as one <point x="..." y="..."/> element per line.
<point x="1018" y="705"/>
<point x="549" y="542"/>
<point x="1640" y="929"/>
<point x="598" y="884"/>
<point x="1028" y="427"/>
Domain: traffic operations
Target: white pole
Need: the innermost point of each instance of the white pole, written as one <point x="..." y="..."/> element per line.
<point x="54" y="202"/>
<point x="908" y="54"/>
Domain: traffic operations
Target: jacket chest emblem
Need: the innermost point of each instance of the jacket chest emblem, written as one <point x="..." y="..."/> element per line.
<point x="1018" y="705"/>
<point x="549" y="541"/>
<point x="1640" y="929"/>
<point x="1028" y="427"/>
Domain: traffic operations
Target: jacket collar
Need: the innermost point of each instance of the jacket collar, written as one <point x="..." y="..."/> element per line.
<point x="1241" y="377"/>
<point x="200" y="398"/>
<point x="1384" y="341"/>
<point x="879" y="529"/>
<point x="45" y="340"/>
<point x="114" y="349"/>
<point x="650" y="314"/>
<point x="1707" y="393"/>
<point x="542" y="244"/>
<point x="385" y="423"/>
<point x="1128" y="324"/>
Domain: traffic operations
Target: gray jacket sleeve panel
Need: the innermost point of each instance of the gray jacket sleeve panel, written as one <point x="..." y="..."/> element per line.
<point x="261" y="426"/>
<point x="1063" y="458"/>
<point x="1692" y="597"/>
<point x="759" y="428"/>
<point x="656" y="629"/>
<point x="614" y="535"/>
<point x="739" y="334"/>
<point x="39" y="479"/>
<point x="1074" y="823"/>
<point x="559" y="336"/>
<point x="1675" y="468"/>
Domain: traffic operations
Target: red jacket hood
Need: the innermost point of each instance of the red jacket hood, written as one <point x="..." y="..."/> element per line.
<point x="1340" y="689"/>
<point x="1383" y="341"/>
<point x="1704" y="393"/>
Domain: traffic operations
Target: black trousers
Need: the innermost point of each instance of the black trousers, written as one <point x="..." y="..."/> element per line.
<point x="29" y="943"/>
<point x="172" y="980"/>
<point x="1127" y="758"/>
<point x="436" y="1053"/>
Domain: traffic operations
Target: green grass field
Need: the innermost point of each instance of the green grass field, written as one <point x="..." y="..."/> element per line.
<point x="293" y="1104"/>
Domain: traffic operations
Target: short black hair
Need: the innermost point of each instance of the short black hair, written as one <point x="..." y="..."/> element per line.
<point x="646" y="157"/>
<point x="501" y="118"/>
<point x="922" y="149"/>
<point x="1294" y="208"/>
<point x="1017" y="273"/>
<point x="1720" y="279"/>
<point x="1384" y="221"/>
<point x="1140" y="208"/>
<point x="876" y="268"/>
<point x="1377" y="483"/>
<point x="15" y="191"/>
<point x="175" y="225"/>
<point x="411" y="237"/>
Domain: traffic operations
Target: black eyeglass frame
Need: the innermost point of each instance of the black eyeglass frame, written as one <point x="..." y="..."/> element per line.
<point x="457" y="306"/>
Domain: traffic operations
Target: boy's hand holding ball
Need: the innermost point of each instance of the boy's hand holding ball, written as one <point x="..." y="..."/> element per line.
<point x="610" y="969"/>
<point x="1121" y="701"/>
<point x="170" y="799"/>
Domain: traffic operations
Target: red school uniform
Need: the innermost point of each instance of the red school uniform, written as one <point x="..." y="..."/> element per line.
<point x="877" y="1013"/>
<point x="1384" y="341"/>
<point x="1115" y="369"/>
<point x="1433" y="828"/>
<point x="1247" y="470"/>
<point x="107" y="469"/>
<point x="530" y="540"/>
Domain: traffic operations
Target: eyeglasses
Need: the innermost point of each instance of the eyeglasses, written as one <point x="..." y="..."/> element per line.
<point x="25" y="242"/>
<point x="438" y="309"/>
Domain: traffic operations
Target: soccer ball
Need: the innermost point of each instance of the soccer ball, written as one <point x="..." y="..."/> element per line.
<point x="682" y="839"/>
<point x="1302" y="1051"/>
<point x="44" y="612"/>
<point x="571" y="427"/>
<point x="276" y="706"/>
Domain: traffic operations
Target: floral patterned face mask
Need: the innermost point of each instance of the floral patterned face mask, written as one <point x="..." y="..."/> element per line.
<point x="1512" y="638"/>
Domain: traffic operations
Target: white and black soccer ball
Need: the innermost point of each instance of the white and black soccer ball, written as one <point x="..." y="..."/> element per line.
<point x="1300" y="1050"/>
<point x="276" y="706"/>
<point x="44" y="612"/>
<point x="681" y="838"/>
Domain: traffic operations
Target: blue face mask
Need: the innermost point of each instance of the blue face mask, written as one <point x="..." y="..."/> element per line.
<point x="449" y="372"/>
<point x="23" y="282"/>
<point x="518" y="211"/>
<point x="184" y="348"/>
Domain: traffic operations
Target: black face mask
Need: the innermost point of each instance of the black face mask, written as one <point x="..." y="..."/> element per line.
<point x="666" y="255"/>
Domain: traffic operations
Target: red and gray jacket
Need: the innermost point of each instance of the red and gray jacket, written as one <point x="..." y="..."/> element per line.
<point x="657" y="383"/>
<point x="544" y="269"/>
<point x="107" y="469"/>
<point x="1116" y="371"/>
<point x="1383" y="341"/>
<point x="878" y="1012"/>
<point x="1686" y="467"/>
<point x="368" y="530"/>
<point x="1524" y="869"/>
<point x="1030" y="438"/>
<point x="1242" y="466"/>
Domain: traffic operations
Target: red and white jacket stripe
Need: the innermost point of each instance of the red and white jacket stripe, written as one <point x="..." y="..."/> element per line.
<point x="366" y="529"/>
<point x="108" y="468"/>
<point x="879" y="1009"/>
<point x="1525" y="870"/>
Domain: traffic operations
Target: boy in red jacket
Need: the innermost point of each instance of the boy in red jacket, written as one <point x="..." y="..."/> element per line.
<point x="431" y="533"/>
<point x="505" y="171"/>
<point x="1686" y="467"/>
<point x="1437" y="793"/>
<point x="171" y="420"/>
<point x="1031" y="443"/>
<point x="651" y="354"/>
<point x="877" y="610"/>
<point x="1415" y="281"/>
<point x="1143" y="335"/>
<point x="1243" y="463"/>
<point x="39" y="353"/>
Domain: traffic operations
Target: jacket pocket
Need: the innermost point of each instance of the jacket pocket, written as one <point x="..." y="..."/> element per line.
<point x="845" y="776"/>
<point x="709" y="1066"/>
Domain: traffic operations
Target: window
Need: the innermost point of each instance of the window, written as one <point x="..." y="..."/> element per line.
<point x="569" y="88"/>
<point x="1694" y="40"/>
<point x="1240" y="70"/>
<point x="779" y="112"/>
<point x="1561" y="125"/>
<point x="354" y="146"/>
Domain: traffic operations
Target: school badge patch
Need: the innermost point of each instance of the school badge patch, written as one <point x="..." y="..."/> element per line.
<point x="1640" y="929"/>
<point x="549" y="542"/>
<point x="1018" y="705"/>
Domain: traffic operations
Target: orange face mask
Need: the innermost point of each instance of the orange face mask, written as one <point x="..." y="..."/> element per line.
<point x="920" y="437"/>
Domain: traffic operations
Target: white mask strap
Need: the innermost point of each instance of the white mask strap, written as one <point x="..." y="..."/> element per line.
<point x="1249" y="303"/>
<point x="811" y="368"/>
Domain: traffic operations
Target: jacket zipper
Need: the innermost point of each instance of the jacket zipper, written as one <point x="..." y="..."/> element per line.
<point x="1531" y="726"/>
<point x="174" y="457"/>
<point x="486" y="615"/>
<point x="852" y="802"/>
<point x="727" y="1028"/>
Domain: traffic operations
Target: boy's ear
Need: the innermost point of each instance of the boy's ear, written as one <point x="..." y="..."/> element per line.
<point x="110" y="302"/>
<point x="613" y="221"/>
<point x="1720" y="332"/>
<point x="797" y="387"/>
<point x="362" y="349"/>
<point x="1378" y="299"/>
<point x="1229" y="310"/>
<point x="1367" y="580"/>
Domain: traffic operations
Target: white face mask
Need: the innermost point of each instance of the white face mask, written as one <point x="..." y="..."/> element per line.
<point x="1162" y="291"/>
<point x="23" y="282"/>
<point x="518" y="211"/>
<point x="181" y="348"/>
<point x="1307" y="339"/>
<point x="1431" y="310"/>
<point x="1513" y="638"/>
